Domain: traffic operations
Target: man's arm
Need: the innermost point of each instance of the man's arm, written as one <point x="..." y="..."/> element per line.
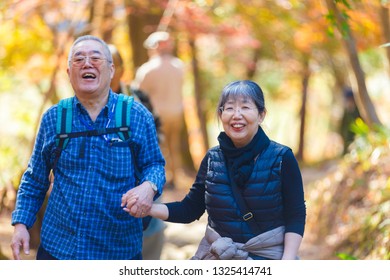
<point x="148" y="159"/>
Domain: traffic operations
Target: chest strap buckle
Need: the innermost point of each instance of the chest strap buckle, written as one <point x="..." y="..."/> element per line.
<point x="247" y="216"/>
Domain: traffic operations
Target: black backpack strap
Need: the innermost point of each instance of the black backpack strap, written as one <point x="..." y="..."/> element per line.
<point x="246" y="213"/>
<point x="95" y="132"/>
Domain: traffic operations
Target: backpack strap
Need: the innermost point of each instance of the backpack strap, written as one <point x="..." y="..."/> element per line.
<point x="122" y="120"/>
<point x="64" y="121"/>
<point x="63" y="127"/>
<point x="122" y="114"/>
<point x="246" y="212"/>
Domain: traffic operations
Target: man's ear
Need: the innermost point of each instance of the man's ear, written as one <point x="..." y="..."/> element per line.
<point x="112" y="70"/>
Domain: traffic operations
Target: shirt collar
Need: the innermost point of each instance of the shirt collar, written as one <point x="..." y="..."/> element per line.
<point x="112" y="97"/>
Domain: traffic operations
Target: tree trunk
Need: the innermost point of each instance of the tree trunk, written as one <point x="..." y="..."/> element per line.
<point x="108" y="24"/>
<point x="251" y="68"/>
<point x="198" y="95"/>
<point x="384" y="12"/>
<point x="188" y="163"/>
<point x="305" y="86"/>
<point x="363" y="100"/>
<point x="140" y="24"/>
<point x="96" y="18"/>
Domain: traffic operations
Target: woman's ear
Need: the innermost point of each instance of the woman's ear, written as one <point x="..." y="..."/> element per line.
<point x="262" y="117"/>
<point x="220" y="109"/>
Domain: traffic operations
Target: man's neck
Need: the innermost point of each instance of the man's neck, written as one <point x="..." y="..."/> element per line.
<point x="93" y="103"/>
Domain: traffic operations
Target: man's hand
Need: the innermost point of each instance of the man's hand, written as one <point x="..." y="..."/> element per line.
<point x="20" y="238"/>
<point x="138" y="201"/>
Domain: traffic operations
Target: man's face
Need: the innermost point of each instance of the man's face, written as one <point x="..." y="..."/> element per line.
<point x="89" y="71"/>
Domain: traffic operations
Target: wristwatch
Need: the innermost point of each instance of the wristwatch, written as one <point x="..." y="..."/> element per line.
<point x="153" y="186"/>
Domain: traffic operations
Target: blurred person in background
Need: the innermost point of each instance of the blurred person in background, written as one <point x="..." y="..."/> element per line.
<point x="161" y="78"/>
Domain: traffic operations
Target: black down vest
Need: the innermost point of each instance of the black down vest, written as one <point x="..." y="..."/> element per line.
<point x="262" y="193"/>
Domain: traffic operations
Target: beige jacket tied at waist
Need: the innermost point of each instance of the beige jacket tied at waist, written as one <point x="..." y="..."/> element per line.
<point x="269" y="244"/>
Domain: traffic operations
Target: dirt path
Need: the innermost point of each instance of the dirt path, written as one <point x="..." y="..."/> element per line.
<point x="182" y="239"/>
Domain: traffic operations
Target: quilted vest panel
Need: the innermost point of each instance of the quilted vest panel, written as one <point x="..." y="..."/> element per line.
<point x="262" y="194"/>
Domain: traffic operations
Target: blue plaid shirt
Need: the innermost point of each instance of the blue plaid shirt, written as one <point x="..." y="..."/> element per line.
<point x="84" y="218"/>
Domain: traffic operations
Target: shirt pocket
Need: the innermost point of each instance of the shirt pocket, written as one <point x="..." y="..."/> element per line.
<point x="119" y="161"/>
<point x="72" y="156"/>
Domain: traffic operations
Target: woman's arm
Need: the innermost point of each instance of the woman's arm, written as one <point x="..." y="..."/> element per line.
<point x="159" y="211"/>
<point x="189" y="209"/>
<point x="193" y="205"/>
<point x="293" y="205"/>
<point x="292" y="241"/>
<point x="293" y="195"/>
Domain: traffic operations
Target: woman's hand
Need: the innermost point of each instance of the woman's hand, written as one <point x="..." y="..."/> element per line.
<point x="128" y="201"/>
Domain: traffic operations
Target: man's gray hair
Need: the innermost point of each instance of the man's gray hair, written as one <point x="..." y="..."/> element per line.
<point x="106" y="50"/>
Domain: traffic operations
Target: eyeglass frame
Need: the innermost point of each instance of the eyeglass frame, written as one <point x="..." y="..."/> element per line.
<point x="93" y="60"/>
<point x="237" y="109"/>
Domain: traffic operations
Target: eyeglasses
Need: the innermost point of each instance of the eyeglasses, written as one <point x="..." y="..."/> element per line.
<point x="79" y="61"/>
<point x="230" y="110"/>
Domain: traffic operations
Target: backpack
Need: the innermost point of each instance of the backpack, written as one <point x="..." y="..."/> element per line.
<point x="65" y="119"/>
<point x="141" y="97"/>
<point x="122" y="128"/>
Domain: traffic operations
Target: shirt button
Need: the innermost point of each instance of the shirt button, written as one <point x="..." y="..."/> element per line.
<point x="93" y="147"/>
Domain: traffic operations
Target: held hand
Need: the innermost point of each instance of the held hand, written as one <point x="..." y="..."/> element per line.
<point x="20" y="238"/>
<point x="158" y="210"/>
<point x="128" y="201"/>
<point x="138" y="201"/>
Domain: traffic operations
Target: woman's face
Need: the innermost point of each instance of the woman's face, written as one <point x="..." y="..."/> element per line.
<point x="240" y="119"/>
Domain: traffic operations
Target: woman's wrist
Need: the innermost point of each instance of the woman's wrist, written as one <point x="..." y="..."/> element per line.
<point x="159" y="211"/>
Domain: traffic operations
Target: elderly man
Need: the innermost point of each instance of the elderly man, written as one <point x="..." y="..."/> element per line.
<point x="84" y="218"/>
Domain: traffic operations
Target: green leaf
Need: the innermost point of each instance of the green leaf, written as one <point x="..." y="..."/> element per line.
<point x="345" y="256"/>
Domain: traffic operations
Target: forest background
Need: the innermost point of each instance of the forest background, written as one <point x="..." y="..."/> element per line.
<point x="302" y="53"/>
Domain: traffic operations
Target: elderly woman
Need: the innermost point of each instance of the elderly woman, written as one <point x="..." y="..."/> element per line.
<point x="250" y="186"/>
